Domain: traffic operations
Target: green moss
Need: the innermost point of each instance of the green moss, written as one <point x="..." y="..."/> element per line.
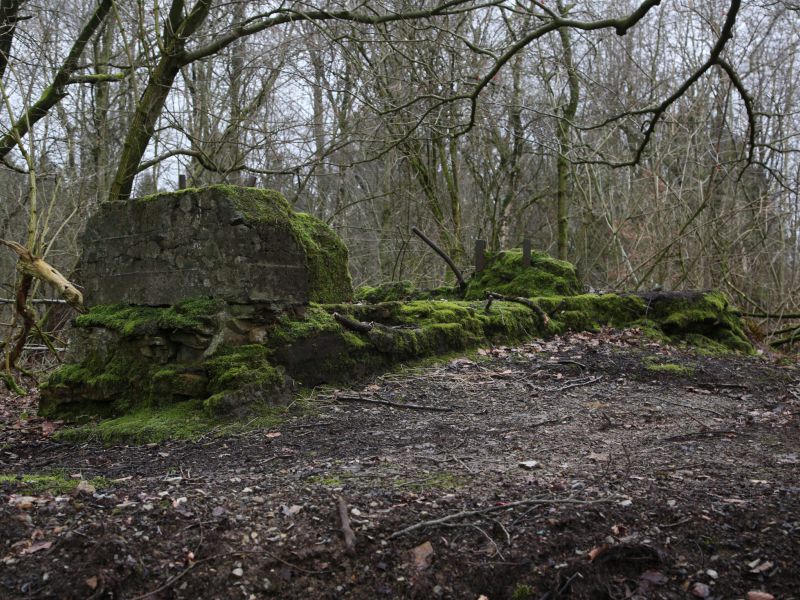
<point x="329" y="480"/>
<point x="504" y="274"/>
<point x="161" y="195"/>
<point x="236" y="367"/>
<point x="290" y="328"/>
<point x="144" y="320"/>
<point x="183" y="421"/>
<point x="671" y="368"/>
<point x="523" y="592"/>
<point x="386" y="292"/>
<point x="439" y="481"/>
<point x="56" y="483"/>
<point x="692" y="316"/>
<point x="327" y="259"/>
<point x="326" y="254"/>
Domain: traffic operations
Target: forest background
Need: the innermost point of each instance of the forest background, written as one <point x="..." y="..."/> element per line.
<point x="650" y="143"/>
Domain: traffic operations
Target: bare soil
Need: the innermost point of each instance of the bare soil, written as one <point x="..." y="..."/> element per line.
<point x="559" y="469"/>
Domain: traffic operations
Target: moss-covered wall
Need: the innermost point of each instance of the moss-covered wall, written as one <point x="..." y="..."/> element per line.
<point x="134" y="357"/>
<point x="226" y="358"/>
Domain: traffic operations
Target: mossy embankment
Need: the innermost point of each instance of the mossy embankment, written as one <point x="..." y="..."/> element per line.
<point x="203" y="361"/>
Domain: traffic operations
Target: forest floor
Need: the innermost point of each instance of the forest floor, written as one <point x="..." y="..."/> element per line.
<point x="587" y="466"/>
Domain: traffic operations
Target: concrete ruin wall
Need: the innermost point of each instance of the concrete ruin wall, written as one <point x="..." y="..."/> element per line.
<point x="241" y="245"/>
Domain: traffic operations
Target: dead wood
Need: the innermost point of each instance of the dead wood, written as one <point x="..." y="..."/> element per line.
<point x="347" y="531"/>
<point x="482" y="511"/>
<point x="575" y="384"/>
<point x="388" y="403"/>
<point x="34" y="266"/>
<point x="518" y="300"/>
<point x="462" y="285"/>
<point x="352" y="324"/>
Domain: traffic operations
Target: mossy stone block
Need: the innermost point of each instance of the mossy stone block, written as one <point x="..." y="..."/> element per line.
<point x="240" y="245"/>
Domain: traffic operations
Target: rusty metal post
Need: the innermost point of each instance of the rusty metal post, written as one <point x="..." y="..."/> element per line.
<point x="182" y="181"/>
<point x="480" y="255"/>
<point x="526" y="252"/>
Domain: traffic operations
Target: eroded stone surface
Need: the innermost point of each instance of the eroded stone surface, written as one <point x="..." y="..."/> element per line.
<point x="240" y="245"/>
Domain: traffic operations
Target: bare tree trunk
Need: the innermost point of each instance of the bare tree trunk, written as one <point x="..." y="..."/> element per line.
<point x="564" y="143"/>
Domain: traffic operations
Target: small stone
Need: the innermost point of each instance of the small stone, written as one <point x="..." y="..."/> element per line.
<point x="530" y="464"/>
<point x="701" y="590"/>
<point x="438" y="591"/>
<point x="266" y="584"/>
<point x="712" y="573"/>
<point x="237" y="572"/>
<point x="757" y="595"/>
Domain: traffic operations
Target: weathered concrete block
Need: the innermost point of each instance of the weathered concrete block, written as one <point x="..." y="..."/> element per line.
<point x="241" y="245"/>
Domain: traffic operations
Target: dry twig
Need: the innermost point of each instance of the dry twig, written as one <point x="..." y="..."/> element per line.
<point x="482" y="511"/>
<point x="347" y="531"/>
<point x="388" y="403"/>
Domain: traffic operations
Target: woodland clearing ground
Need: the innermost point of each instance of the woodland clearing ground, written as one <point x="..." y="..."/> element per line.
<point x="684" y="478"/>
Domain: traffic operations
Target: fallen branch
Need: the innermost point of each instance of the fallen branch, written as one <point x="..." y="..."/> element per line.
<point x="708" y="410"/>
<point x="352" y="324"/>
<point x="766" y="315"/>
<point x="482" y="511"/>
<point x="35" y="301"/>
<point x="347" y="531"/>
<point x="36" y="267"/>
<point x="789" y="339"/>
<point x="580" y="383"/>
<point x="518" y="300"/>
<point x="462" y="285"/>
<point x="388" y="403"/>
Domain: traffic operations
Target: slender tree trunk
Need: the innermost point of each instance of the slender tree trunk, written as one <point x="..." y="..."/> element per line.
<point x="564" y="145"/>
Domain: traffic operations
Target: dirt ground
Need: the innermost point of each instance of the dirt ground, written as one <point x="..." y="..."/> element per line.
<point x="579" y="467"/>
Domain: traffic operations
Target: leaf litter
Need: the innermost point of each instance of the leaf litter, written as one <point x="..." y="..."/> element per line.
<point x="563" y="468"/>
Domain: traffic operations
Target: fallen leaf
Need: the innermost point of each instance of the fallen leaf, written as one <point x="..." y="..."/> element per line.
<point x="654" y="577"/>
<point x="22" y="502"/>
<point x="422" y="556"/>
<point x="92" y="582"/>
<point x="758" y="595"/>
<point x="36" y="546"/>
<point x="763" y="567"/>
<point x="273" y="434"/>
<point x="48" y="427"/>
<point x="84" y="487"/>
<point x="597" y="551"/>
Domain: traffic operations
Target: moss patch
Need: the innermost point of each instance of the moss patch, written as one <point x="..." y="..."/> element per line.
<point x="387" y="292"/>
<point x="56" y="483"/>
<point x="142" y="320"/>
<point x="233" y="368"/>
<point x="439" y="481"/>
<point x="183" y="421"/>
<point x="505" y="275"/>
<point x="671" y="368"/>
<point x="326" y="255"/>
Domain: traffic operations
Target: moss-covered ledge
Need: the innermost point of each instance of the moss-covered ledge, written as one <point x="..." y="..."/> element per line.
<point x="231" y="360"/>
